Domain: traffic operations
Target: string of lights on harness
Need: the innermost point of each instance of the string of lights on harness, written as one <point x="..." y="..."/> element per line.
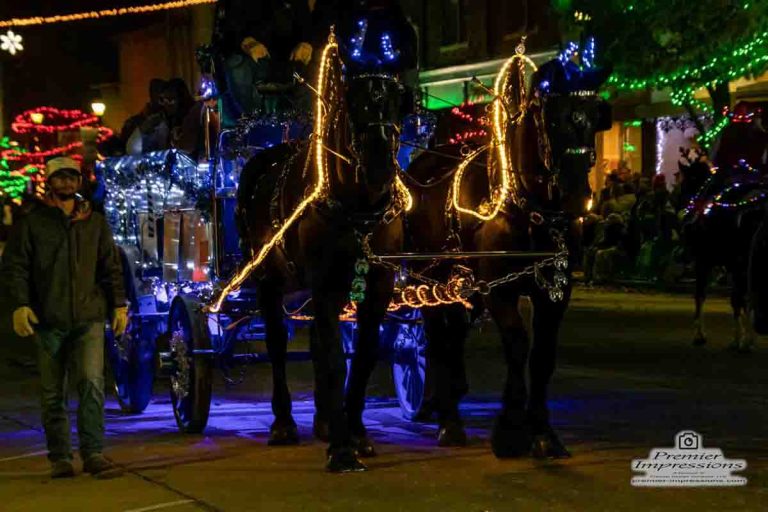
<point x="508" y="188"/>
<point x="462" y="284"/>
<point x="320" y="190"/>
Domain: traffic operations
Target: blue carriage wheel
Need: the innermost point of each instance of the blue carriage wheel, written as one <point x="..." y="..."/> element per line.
<point x="409" y="367"/>
<point x="131" y="355"/>
<point x="190" y="379"/>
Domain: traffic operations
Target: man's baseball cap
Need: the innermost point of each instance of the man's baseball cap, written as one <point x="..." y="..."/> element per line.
<point x="62" y="164"/>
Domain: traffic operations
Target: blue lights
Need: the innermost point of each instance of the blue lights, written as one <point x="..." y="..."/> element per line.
<point x="586" y="52"/>
<point x="208" y="88"/>
<point x="365" y="50"/>
<point x="358" y="40"/>
<point x="386" y="47"/>
<point x="588" y="55"/>
<point x="570" y="50"/>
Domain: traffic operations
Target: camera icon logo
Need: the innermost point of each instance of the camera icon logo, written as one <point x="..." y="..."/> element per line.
<point x="688" y="441"/>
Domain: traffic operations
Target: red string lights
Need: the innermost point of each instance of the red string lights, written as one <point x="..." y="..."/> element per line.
<point x="51" y="121"/>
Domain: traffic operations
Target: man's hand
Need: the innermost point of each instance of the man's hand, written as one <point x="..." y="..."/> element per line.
<point x="119" y="320"/>
<point x="23" y="318"/>
<point x="254" y="48"/>
<point x="302" y="53"/>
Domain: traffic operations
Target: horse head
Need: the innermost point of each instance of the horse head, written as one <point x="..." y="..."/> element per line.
<point x="570" y="113"/>
<point x="375" y="102"/>
<point x="366" y="111"/>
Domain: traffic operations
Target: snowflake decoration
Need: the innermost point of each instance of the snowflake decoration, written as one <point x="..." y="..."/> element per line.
<point x="11" y="42"/>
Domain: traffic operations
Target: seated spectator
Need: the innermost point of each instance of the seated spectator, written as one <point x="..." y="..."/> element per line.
<point x="156" y="88"/>
<point x="162" y="129"/>
<point x="260" y="42"/>
<point x="622" y="200"/>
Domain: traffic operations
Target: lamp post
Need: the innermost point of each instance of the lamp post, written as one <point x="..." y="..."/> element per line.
<point x="98" y="107"/>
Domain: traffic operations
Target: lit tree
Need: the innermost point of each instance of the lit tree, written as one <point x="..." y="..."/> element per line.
<point x="683" y="45"/>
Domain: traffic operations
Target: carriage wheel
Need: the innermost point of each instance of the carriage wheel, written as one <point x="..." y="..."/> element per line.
<point x="409" y="365"/>
<point x="130" y="355"/>
<point x="190" y="375"/>
<point x="131" y="360"/>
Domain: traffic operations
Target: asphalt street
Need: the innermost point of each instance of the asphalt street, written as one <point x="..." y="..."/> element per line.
<point x="628" y="380"/>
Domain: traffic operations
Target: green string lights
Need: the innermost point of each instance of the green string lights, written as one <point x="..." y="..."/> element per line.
<point x="13" y="184"/>
<point x="753" y="55"/>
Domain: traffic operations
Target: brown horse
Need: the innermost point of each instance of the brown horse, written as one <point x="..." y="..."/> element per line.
<point x="349" y="164"/>
<point x="548" y="138"/>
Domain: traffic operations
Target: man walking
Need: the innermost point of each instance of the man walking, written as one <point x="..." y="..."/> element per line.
<point x="63" y="278"/>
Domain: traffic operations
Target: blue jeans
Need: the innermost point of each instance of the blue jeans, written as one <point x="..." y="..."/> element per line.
<point x="75" y="356"/>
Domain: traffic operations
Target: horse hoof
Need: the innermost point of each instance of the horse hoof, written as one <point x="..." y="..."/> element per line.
<point x="283" y="433"/>
<point x="320" y="429"/>
<point x="549" y="446"/>
<point x="699" y="341"/>
<point x="452" y="434"/>
<point x="344" y="461"/>
<point x="364" y="446"/>
<point x="734" y="346"/>
<point x="510" y="438"/>
<point x="745" y="348"/>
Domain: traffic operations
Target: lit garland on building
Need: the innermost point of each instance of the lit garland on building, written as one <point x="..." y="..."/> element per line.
<point x="477" y="125"/>
<point x="752" y="55"/>
<point x="104" y="13"/>
<point x="48" y="121"/>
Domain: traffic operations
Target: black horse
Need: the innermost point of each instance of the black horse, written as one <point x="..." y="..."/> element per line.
<point x="725" y="207"/>
<point x="548" y="139"/>
<point x="348" y="170"/>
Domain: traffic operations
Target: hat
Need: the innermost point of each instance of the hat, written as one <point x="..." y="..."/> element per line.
<point x="62" y="163"/>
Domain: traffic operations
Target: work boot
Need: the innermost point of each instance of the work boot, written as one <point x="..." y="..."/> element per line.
<point x="100" y="467"/>
<point x="62" y="469"/>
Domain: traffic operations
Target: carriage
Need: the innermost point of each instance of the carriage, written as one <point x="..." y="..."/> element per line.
<point x="173" y="220"/>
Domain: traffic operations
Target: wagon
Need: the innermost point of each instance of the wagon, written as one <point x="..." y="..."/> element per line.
<point x="173" y="220"/>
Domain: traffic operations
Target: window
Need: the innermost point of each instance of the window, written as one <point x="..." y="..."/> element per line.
<point x="454" y="25"/>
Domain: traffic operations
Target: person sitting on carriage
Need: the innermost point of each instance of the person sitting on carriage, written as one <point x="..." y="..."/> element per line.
<point x="260" y="43"/>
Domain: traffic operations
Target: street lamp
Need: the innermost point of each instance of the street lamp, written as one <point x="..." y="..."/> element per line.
<point x="98" y="107"/>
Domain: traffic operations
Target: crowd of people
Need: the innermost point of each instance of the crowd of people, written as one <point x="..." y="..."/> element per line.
<point x="634" y="229"/>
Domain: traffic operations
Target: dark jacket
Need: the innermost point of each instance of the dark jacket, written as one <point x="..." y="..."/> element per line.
<point x="65" y="268"/>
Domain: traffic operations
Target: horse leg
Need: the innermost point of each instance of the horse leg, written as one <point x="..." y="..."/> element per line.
<point x="283" y="430"/>
<point x="457" y="328"/>
<point x="511" y="435"/>
<point x="744" y="336"/>
<point x="547" y="318"/>
<point x="702" y="272"/>
<point x="370" y="314"/>
<point x="332" y="365"/>
<point x="322" y="414"/>
<point x="441" y="352"/>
